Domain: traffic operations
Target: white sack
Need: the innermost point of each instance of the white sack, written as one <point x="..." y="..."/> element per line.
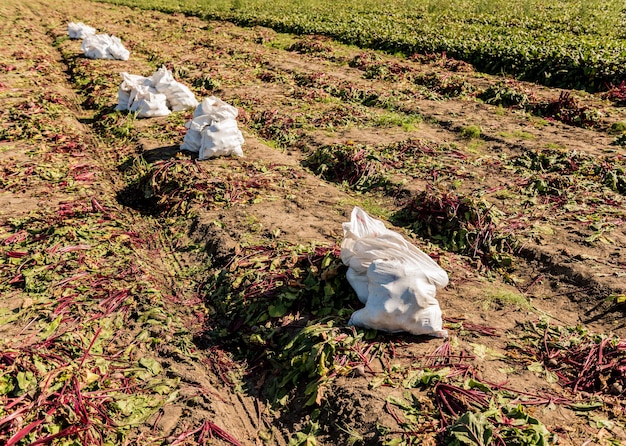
<point x="395" y="280"/>
<point x="221" y="138"/>
<point x="129" y="83"/>
<point x="79" y="30"/>
<point x="215" y="109"/>
<point x="147" y="103"/>
<point x="192" y="141"/>
<point x="103" y="46"/>
<point x="155" y="95"/>
<point x="213" y="130"/>
<point x="179" y="96"/>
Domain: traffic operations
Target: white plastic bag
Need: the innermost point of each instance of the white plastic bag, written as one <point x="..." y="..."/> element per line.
<point x="215" y="109"/>
<point x="395" y="280"/>
<point x="103" y="46"/>
<point x="179" y="96"/>
<point x="153" y="96"/>
<point x="79" y="30"/>
<point x="147" y="103"/>
<point x="213" y="130"/>
<point x="221" y="138"/>
<point x="129" y="83"/>
<point x="137" y="94"/>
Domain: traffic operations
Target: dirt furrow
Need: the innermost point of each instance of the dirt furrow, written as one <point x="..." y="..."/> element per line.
<point x="160" y="263"/>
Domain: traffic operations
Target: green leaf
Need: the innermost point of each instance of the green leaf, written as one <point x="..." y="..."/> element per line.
<point x="137" y="408"/>
<point x="377" y="381"/>
<point x="586" y="406"/>
<point x="471" y="430"/>
<point x="51" y="328"/>
<point x="618" y="298"/>
<point x="307" y="436"/>
<point x="601" y="422"/>
<point x="277" y="310"/>
<point x="6" y="384"/>
<point x="26" y="381"/>
<point x="538" y="368"/>
<point x="484" y="352"/>
<point x="425" y="377"/>
<point x="400" y="402"/>
<point x="41" y="367"/>
<point x="524" y="430"/>
<point x="474" y="384"/>
<point x="152" y="365"/>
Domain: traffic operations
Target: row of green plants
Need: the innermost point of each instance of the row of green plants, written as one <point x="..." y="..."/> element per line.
<point x="74" y="380"/>
<point x="507" y="93"/>
<point x="463" y="222"/>
<point x="435" y="85"/>
<point x="559" y="169"/>
<point x="566" y="108"/>
<point x="181" y="185"/>
<point x="85" y="364"/>
<point x="577" y="44"/>
<point x="318" y="86"/>
<point x="456" y="222"/>
<point x="71" y="276"/>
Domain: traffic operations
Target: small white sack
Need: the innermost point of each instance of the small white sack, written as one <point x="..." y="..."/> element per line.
<point x="395" y="280"/>
<point x="79" y="30"/>
<point x="103" y="46"/>
<point x="213" y="130"/>
<point x="179" y="96"/>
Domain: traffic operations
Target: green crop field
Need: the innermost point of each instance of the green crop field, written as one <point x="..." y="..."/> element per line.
<point x="572" y="44"/>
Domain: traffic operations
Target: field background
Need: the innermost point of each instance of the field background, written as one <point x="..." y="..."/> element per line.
<point x="150" y="298"/>
<point x="572" y="44"/>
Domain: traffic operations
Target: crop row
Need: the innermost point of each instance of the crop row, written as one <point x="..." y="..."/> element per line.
<point x="574" y="45"/>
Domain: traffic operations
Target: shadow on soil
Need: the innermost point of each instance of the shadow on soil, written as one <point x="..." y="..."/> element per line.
<point x="139" y="193"/>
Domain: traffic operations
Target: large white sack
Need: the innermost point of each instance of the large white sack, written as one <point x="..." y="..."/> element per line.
<point x="213" y="130"/>
<point x="395" y="280"/>
<point x="147" y="103"/>
<point x="137" y="94"/>
<point x="129" y="83"/>
<point x="400" y="298"/>
<point x="221" y="138"/>
<point x="179" y="96"/>
<point x="216" y="109"/>
<point x="103" y="46"/>
<point x="79" y="30"/>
